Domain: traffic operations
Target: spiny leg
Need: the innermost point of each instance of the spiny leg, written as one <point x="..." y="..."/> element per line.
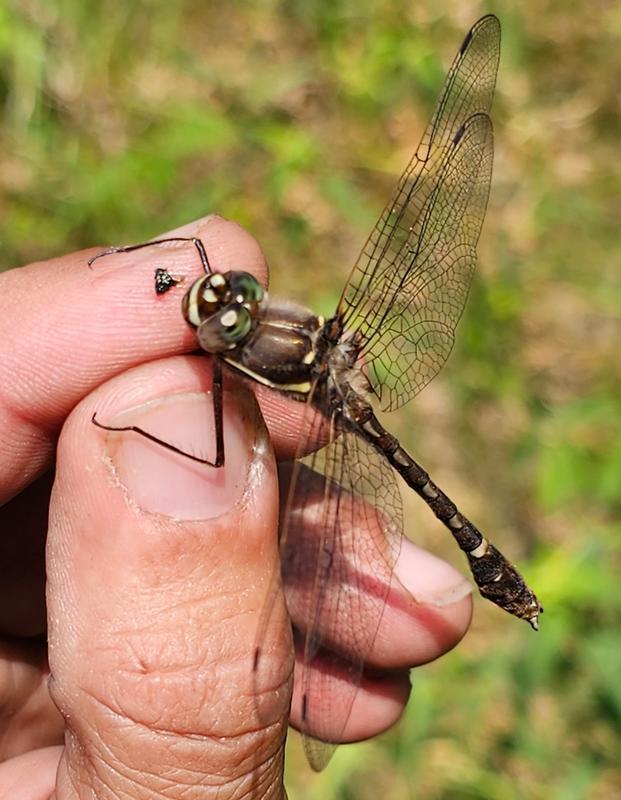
<point x="163" y="280"/>
<point x="218" y="411"/>
<point x="218" y="425"/>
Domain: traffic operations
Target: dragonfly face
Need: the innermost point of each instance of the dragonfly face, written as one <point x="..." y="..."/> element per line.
<point x="224" y="308"/>
<point x="273" y="343"/>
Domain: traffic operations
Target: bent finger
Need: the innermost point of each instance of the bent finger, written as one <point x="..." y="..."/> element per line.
<point x="30" y="776"/>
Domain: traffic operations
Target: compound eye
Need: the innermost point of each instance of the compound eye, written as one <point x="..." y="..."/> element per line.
<point x="245" y="287"/>
<point x="200" y="301"/>
<point x="225" y="330"/>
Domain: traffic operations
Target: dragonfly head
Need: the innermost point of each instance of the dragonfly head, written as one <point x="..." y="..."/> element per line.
<point x="223" y="307"/>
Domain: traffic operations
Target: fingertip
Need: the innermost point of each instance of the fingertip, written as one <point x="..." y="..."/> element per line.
<point x="433" y="600"/>
<point x="378" y="705"/>
<point x="31" y="775"/>
<point x="326" y="704"/>
<point x="430" y="580"/>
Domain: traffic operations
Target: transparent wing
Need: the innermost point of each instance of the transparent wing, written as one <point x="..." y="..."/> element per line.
<point x="340" y="539"/>
<point x="408" y="288"/>
<point x="341" y="529"/>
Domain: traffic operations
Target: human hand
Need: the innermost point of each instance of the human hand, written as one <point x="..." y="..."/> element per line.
<point x="158" y="569"/>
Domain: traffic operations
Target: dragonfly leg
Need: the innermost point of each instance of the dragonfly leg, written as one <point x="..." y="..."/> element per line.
<point x="217" y="418"/>
<point x="218" y="412"/>
<point x="161" y="286"/>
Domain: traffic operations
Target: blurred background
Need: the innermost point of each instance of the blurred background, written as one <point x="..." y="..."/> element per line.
<point x="123" y="120"/>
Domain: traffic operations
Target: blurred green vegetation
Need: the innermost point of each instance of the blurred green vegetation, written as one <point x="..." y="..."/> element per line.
<point x="123" y="120"/>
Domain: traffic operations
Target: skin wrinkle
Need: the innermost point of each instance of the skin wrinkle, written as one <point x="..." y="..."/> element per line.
<point x="252" y="734"/>
<point x="147" y="630"/>
<point x="74" y="767"/>
<point x="190" y="678"/>
<point x="38" y="441"/>
<point x="185" y="778"/>
<point x="115" y="765"/>
<point x="197" y="681"/>
<point x="43" y="435"/>
<point x="142" y="773"/>
<point x="241" y="660"/>
<point x="195" y="602"/>
<point x="108" y="764"/>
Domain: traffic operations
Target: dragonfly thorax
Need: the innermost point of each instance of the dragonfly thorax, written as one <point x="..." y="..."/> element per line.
<point x="224" y="307"/>
<point x="281" y="349"/>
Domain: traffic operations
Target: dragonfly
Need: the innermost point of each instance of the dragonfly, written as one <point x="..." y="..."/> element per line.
<point x="391" y="333"/>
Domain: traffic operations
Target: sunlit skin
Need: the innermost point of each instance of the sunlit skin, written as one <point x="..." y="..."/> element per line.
<point x="152" y="601"/>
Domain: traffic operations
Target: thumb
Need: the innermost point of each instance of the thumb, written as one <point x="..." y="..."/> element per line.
<point x="159" y="569"/>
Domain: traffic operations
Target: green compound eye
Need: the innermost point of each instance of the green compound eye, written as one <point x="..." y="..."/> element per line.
<point x="225" y="330"/>
<point x="246" y="285"/>
<point x="236" y="323"/>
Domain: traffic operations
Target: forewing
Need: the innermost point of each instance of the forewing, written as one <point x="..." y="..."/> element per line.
<point x="408" y="288"/>
<point x="341" y="537"/>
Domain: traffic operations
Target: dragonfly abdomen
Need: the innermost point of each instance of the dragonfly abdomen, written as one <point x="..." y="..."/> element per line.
<point x="496" y="578"/>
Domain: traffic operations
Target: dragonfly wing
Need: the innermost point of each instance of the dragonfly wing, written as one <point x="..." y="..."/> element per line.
<point x="342" y="524"/>
<point x="408" y="288"/>
<point x="338" y="554"/>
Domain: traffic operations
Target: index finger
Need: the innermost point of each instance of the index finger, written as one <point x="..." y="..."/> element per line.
<point x="66" y="328"/>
